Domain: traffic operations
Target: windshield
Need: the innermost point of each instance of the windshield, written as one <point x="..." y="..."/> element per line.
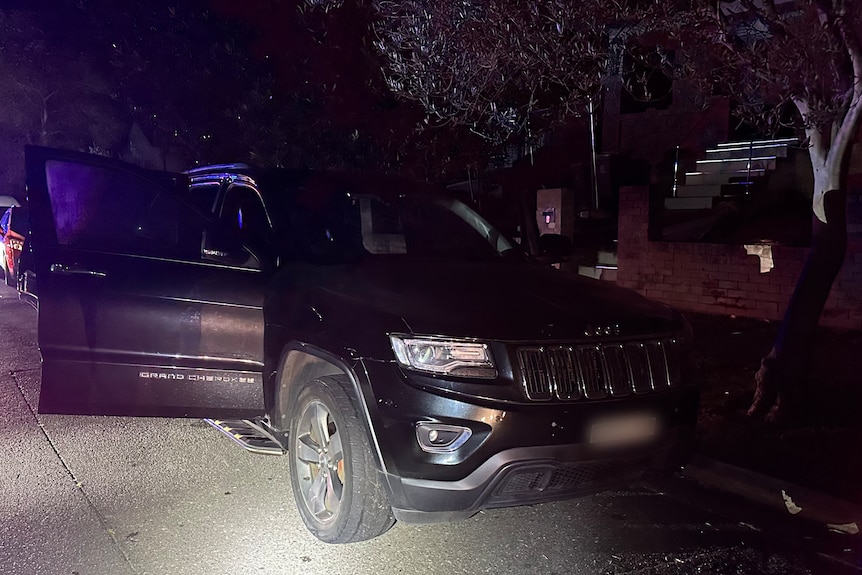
<point x="354" y="225"/>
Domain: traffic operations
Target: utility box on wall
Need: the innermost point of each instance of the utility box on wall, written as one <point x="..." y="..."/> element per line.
<point x="555" y="211"/>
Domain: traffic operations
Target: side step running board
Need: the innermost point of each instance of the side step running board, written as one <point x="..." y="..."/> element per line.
<point x="251" y="435"/>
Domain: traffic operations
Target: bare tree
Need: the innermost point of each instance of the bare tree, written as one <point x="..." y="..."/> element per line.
<point x="797" y="62"/>
<point x="504" y="67"/>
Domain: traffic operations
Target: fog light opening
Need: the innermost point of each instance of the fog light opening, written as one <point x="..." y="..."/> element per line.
<point x="441" y="437"/>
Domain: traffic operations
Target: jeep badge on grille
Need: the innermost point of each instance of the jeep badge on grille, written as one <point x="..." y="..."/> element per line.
<point x="613" y="329"/>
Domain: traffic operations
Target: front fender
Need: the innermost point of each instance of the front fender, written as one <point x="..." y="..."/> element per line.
<point x="302" y="362"/>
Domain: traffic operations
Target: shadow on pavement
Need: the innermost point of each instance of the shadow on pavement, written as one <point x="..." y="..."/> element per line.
<point x="821" y="453"/>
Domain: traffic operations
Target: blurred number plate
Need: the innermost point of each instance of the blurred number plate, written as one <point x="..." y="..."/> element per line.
<point x="623" y="430"/>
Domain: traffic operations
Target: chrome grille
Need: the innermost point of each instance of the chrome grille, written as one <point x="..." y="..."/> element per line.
<point x="597" y="371"/>
<point x="563" y="374"/>
<point x="591" y="376"/>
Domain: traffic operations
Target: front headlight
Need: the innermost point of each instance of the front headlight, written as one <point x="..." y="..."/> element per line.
<point x="444" y="357"/>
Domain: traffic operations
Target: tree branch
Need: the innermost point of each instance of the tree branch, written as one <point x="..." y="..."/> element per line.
<point x="850" y="122"/>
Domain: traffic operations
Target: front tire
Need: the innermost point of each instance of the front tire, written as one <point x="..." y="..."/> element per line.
<point x="335" y="483"/>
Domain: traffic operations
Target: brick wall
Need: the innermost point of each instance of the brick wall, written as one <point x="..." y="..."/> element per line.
<point x="719" y="278"/>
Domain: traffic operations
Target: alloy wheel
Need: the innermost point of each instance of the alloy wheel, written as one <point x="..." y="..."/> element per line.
<point x="319" y="460"/>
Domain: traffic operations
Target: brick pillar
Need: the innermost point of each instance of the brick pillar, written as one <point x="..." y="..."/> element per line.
<point x="632" y="242"/>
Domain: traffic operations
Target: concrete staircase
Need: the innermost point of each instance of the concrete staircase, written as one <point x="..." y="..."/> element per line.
<point x="729" y="170"/>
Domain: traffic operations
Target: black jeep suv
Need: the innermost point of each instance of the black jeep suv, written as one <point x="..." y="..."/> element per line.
<point x="408" y="358"/>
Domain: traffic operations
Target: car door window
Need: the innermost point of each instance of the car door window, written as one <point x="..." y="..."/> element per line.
<point x="204" y="196"/>
<point x="108" y="209"/>
<point x="244" y="214"/>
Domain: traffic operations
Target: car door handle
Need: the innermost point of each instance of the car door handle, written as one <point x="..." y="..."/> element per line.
<point x="66" y="270"/>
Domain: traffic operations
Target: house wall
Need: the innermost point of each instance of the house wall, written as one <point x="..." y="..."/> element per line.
<point x="719" y="278"/>
<point x="653" y="135"/>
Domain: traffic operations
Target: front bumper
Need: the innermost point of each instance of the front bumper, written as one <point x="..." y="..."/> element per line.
<point x="527" y="476"/>
<point x="518" y="453"/>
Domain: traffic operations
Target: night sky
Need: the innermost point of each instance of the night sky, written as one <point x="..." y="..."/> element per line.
<point x="270" y="82"/>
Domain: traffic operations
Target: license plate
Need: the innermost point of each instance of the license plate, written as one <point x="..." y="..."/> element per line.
<point x="623" y="430"/>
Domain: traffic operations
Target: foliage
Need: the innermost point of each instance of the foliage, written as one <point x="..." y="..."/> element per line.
<point x="799" y="60"/>
<point x="180" y="71"/>
<point x="334" y="108"/>
<point x="793" y="63"/>
<point x="505" y="67"/>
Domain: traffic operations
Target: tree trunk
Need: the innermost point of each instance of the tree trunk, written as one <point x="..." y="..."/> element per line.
<point x="783" y="374"/>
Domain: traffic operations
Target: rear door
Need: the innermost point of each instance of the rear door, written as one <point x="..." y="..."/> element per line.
<point x="147" y="306"/>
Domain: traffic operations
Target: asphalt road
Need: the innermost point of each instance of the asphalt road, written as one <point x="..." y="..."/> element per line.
<point x="135" y="496"/>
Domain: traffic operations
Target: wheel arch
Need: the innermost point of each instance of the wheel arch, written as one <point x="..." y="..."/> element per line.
<point x="300" y="363"/>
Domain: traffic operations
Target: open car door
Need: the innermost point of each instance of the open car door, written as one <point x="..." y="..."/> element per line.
<point x="138" y="314"/>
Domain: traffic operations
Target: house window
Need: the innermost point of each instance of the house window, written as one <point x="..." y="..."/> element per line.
<point x="646" y="86"/>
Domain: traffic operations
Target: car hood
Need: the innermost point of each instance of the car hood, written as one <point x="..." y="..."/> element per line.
<point x="499" y="301"/>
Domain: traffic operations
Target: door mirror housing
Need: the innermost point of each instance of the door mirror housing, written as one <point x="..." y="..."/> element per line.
<point x="224" y="247"/>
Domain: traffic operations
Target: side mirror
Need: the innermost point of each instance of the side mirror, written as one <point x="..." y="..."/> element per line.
<point x="224" y="247"/>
